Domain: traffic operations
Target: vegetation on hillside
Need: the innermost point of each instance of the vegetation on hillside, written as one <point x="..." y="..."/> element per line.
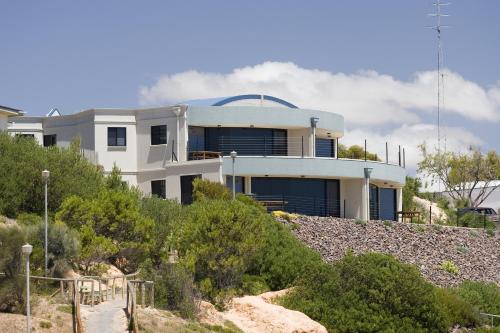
<point x="214" y="249"/>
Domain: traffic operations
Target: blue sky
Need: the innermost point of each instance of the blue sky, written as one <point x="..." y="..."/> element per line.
<point x="77" y="55"/>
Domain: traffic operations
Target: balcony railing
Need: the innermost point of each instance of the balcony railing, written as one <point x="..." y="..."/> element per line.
<point x="199" y="148"/>
<point x="307" y="205"/>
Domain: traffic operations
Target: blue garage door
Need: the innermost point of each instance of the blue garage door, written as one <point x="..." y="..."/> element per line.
<point x="387" y="204"/>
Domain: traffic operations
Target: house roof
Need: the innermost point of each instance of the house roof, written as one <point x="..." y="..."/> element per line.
<point x="221" y="101"/>
<point x="10" y="111"/>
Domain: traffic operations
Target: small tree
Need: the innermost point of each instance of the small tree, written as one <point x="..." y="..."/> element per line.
<point x="356" y="152"/>
<point x="468" y="178"/>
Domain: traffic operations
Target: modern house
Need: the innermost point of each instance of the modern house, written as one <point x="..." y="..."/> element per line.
<point x="5" y="113"/>
<point x="286" y="156"/>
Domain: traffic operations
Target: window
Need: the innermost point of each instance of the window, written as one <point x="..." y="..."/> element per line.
<point x="49" y="140"/>
<point x="159" y="135"/>
<point x="158" y="188"/>
<point x="29" y="136"/>
<point x="117" y="136"/>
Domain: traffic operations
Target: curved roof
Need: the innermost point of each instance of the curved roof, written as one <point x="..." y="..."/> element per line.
<point x="226" y="100"/>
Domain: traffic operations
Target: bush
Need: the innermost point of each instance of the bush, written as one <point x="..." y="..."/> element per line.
<point x="368" y="293"/>
<point x="484" y="296"/>
<point x="166" y="216"/>
<point x="219" y="241"/>
<point x="254" y="285"/>
<point x="207" y="190"/>
<point x="28" y="219"/>
<point x="449" y="266"/>
<point x="475" y="220"/>
<point x="11" y="264"/>
<point x="455" y="309"/>
<point x="23" y="189"/>
<point x="175" y="290"/>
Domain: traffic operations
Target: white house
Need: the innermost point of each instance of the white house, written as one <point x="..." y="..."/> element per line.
<point x="286" y="156"/>
<point x="5" y="113"/>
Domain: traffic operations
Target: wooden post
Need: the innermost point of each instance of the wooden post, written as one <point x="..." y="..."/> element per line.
<point x="152" y="295"/>
<point x="61" y="286"/>
<point x="113" y="289"/>
<point x="73" y="307"/>
<point x="430" y="214"/>
<point x="100" y="291"/>
<point x="143" y="293"/>
<point x="92" y="294"/>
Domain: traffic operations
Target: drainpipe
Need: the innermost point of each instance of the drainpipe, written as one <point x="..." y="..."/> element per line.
<point x="312" y="137"/>
<point x="365" y="199"/>
<point x="177" y="112"/>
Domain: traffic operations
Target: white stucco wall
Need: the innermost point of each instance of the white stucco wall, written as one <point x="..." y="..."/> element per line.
<point x="351" y="190"/>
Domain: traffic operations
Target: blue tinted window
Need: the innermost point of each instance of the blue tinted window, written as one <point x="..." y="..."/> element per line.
<point x="387" y="204"/>
<point x="319" y="197"/>
<point x="325" y="147"/>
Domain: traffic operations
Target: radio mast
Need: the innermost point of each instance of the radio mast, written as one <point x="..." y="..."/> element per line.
<point x="440" y="60"/>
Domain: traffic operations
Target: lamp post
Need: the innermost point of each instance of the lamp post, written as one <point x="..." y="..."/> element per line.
<point x="26" y="250"/>
<point x="368" y="172"/>
<point x="233" y="157"/>
<point x="45" y="176"/>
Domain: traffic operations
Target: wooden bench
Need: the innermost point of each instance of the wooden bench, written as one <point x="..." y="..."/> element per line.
<point x="408" y="215"/>
<point x="204" y="155"/>
<point x="273" y="204"/>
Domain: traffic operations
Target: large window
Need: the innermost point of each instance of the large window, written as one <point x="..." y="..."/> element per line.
<point x="49" y="140"/>
<point x="325" y="147"/>
<point x="239" y="183"/>
<point x="158" y="135"/>
<point x="158" y="188"/>
<point x="117" y="136"/>
<point x="247" y="141"/>
<point x="320" y="197"/>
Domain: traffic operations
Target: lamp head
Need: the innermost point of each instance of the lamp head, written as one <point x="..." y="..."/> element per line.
<point x="368" y="172"/>
<point x="233" y="154"/>
<point x="27" y="249"/>
<point x="45" y="174"/>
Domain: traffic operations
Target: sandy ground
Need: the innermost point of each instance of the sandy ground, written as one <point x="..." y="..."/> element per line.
<point x="106" y="317"/>
<point x="46" y="317"/>
<point x="259" y="314"/>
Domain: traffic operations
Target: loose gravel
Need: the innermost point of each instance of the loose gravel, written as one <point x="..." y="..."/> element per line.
<point x="473" y="251"/>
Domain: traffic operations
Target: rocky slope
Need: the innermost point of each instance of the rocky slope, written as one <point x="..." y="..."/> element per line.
<point x="473" y="251"/>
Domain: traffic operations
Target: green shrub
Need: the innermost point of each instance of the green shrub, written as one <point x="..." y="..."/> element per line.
<point x="388" y="223"/>
<point x="449" y="266"/>
<point x="28" y="219"/>
<point x="166" y="216"/>
<point x="490" y="232"/>
<point x="360" y="222"/>
<point x="368" y="293"/>
<point x="219" y="240"/>
<point x="254" y="285"/>
<point x="23" y="190"/>
<point x="11" y="264"/>
<point x="484" y="296"/>
<point x="463" y="249"/>
<point x="283" y="258"/>
<point x="475" y="220"/>
<point x="455" y="309"/>
<point x="175" y="289"/>
<point x="205" y="189"/>
<point x="45" y="324"/>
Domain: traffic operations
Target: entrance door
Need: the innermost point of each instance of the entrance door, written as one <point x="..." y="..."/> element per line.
<point x="388" y="204"/>
<point x="187" y="188"/>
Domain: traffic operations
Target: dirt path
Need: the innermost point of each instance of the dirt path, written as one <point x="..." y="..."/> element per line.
<point x="106" y="317"/>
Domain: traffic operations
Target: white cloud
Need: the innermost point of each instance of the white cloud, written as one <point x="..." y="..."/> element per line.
<point x="410" y="137"/>
<point x="364" y="98"/>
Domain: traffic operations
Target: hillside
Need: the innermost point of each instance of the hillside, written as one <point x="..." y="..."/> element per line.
<point x="473" y="251"/>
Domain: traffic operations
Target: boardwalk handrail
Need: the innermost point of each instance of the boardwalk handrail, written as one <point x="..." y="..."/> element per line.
<point x="132" y="308"/>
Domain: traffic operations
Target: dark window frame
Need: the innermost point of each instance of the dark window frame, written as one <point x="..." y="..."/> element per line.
<point x="49" y="140"/>
<point x="162" y="193"/>
<point x="113" y="136"/>
<point x="157" y="137"/>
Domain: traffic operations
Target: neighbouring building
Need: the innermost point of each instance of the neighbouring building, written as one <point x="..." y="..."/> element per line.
<point x="5" y="113"/>
<point x="286" y="156"/>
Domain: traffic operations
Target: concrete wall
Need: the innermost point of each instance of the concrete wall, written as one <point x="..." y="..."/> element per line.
<point x="3" y="122"/>
<point x="351" y="190"/>
<point x="295" y="142"/>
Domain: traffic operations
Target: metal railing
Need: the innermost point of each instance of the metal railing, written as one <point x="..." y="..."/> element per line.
<point x="298" y="146"/>
<point x="307" y="205"/>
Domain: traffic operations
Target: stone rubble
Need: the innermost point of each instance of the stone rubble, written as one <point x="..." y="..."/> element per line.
<point x="473" y="251"/>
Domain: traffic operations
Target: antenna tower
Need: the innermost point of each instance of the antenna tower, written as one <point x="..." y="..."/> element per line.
<point x="440" y="61"/>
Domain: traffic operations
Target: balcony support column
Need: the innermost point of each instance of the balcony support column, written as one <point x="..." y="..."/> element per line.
<point x="248" y="185"/>
<point x="365" y="197"/>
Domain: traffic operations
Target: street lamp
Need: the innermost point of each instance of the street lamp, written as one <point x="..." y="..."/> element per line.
<point x="368" y="172"/>
<point x="233" y="155"/>
<point x="26" y="250"/>
<point x="45" y="176"/>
